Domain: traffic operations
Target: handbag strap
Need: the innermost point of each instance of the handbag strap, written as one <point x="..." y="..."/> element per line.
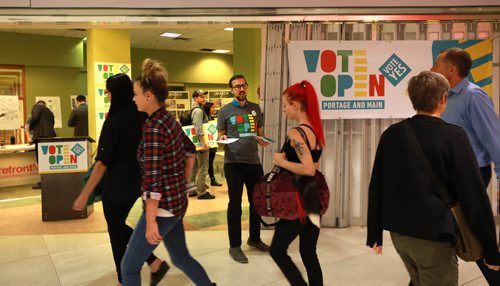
<point x="424" y="162"/>
<point x="275" y="169"/>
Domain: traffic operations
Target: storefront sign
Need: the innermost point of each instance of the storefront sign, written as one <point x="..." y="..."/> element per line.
<point x="209" y="131"/>
<point x="18" y="169"/>
<point x="369" y="79"/>
<point x="63" y="157"/>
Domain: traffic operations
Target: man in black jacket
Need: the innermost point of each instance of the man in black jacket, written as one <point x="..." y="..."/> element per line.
<point x="42" y="121"/>
<point x="41" y="125"/>
<point x="403" y="200"/>
<point x="79" y="117"/>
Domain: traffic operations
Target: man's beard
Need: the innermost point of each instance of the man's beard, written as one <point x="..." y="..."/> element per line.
<point x="241" y="97"/>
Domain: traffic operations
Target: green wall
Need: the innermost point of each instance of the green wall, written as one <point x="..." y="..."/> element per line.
<point x="39" y="50"/>
<point x="247" y="55"/>
<point x="55" y="66"/>
<point x="187" y="67"/>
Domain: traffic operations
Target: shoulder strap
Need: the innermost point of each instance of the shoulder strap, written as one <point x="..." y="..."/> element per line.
<point x="192" y="109"/>
<point x="304" y="135"/>
<point x="424" y="162"/>
<point x="316" y="136"/>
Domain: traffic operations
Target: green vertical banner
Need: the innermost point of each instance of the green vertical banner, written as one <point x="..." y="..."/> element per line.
<point x="103" y="71"/>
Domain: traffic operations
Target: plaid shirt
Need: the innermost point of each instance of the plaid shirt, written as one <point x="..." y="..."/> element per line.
<point x="161" y="154"/>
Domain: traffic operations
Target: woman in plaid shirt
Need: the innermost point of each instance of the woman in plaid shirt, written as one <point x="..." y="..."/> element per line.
<point x="166" y="157"/>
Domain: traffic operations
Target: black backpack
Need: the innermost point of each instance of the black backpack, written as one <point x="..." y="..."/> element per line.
<point x="185" y="118"/>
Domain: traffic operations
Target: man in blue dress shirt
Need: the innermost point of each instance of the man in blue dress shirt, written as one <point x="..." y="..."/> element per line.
<point x="472" y="109"/>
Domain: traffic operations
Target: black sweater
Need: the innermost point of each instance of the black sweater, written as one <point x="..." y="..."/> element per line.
<point x="402" y="198"/>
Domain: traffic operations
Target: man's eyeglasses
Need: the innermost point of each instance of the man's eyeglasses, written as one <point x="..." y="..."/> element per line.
<point x="241" y="86"/>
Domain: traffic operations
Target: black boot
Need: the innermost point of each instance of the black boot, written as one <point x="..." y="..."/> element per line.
<point x="213" y="182"/>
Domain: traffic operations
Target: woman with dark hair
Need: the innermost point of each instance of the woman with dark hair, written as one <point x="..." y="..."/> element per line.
<point x="166" y="158"/>
<point x="117" y="166"/>
<point x="302" y="151"/>
<point x="209" y="109"/>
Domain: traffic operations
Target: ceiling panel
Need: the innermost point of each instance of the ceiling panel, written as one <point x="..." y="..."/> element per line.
<point x="197" y="38"/>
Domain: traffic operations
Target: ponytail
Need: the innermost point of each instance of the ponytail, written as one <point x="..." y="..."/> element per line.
<point x="304" y="93"/>
<point x="313" y="111"/>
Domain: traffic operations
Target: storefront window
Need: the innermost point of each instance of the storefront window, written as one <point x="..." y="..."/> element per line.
<point x="12" y="104"/>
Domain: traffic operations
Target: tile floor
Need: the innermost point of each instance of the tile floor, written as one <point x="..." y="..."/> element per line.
<point x="85" y="259"/>
<point x="77" y="252"/>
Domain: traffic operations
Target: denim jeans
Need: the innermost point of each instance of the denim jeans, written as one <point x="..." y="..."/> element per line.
<point x="119" y="232"/>
<point x="172" y="231"/>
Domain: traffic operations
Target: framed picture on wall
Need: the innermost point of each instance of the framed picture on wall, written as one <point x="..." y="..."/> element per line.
<point x="178" y="102"/>
<point x="219" y="98"/>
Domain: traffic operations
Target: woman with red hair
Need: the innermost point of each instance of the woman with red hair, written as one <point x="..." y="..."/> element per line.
<point x="302" y="150"/>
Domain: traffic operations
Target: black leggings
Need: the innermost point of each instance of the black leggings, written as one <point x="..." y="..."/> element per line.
<point x="119" y="232"/>
<point x="286" y="231"/>
<point x="211" y="158"/>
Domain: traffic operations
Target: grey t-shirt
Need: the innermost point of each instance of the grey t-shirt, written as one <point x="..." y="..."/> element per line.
<point x="241" y="122"/>
<point x="198" y="117"/>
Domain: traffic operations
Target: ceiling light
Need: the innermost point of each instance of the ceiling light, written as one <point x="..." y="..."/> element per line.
<point x="221" y="51"/>
<point x="170" y="35"/>
<point x="229" y="29"/>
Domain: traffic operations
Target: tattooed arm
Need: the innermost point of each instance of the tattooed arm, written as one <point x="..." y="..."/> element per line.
<point x="306" y="166"/>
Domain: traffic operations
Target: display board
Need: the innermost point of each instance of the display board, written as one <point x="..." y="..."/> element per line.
<point x="9" y="112"/>
<point x="219" y="98"/>
<point x="178" y="102"/>
<point x="73" y="101"/>
<point x="54" y="104"/>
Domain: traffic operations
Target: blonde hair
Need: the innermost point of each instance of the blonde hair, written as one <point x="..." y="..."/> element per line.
<point x="154" y="77"/>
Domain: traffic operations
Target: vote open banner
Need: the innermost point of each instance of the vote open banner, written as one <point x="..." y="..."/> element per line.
<point x="209" y="132"/>
<point x="369" y="79"/>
